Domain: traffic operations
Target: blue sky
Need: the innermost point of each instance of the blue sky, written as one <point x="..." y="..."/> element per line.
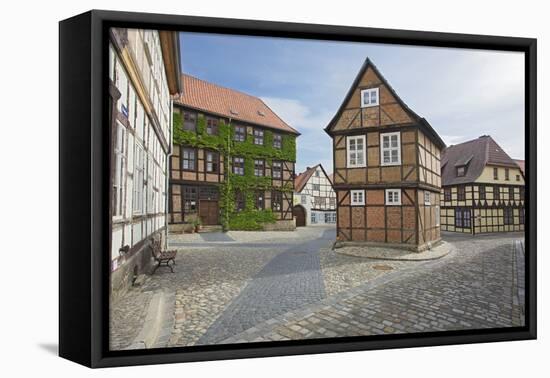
<point x="462" y="93"/>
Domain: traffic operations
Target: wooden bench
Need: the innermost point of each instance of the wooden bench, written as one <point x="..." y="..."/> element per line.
<point x="163" y="258"/>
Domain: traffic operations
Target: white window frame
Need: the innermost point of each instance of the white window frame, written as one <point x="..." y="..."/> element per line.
<point x="390" y="148"/>
<point x="393" y="192"/>
<point x="139" y="177"/>
<point x="366" y="94"/>
<point x="354" y="197"/>
<point x="427" y="198"/>
<point x="363" y="151"/>
<point x="437" y="216"/>
<point x="119" y="179"/>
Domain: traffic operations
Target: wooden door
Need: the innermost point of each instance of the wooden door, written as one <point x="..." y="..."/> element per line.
<point x="300" y="213"/>
<point x="209" y="212"/>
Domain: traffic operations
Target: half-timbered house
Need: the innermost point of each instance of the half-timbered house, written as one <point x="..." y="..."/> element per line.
<point x="386" y="167"/>
<point x="314" y="198"/>
<point x="233" y="161"/>
<point x="483" y="189"/>
<point x="144" y="71"/>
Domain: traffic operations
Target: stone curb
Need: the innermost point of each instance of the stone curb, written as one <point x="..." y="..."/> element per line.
<point x="157" y="320"/>
<point x="443" y="249"/>
<point x="254" y="333"/>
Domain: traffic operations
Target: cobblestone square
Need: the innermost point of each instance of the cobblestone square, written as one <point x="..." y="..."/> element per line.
<point x="269" y="286"/>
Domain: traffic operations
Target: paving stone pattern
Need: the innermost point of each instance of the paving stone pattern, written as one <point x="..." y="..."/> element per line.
<point x="290" y="280"/>
<point x="472" y="288"/>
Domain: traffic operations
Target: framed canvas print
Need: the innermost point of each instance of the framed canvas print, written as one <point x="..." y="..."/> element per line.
<point x="234" y="188"/>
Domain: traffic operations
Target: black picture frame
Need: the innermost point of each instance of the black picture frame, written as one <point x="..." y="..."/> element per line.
<point x="84" y="189"/>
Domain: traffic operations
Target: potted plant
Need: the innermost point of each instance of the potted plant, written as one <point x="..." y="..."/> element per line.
<point x="197" y="223"/>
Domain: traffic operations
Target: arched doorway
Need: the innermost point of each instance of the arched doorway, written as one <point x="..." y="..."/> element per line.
<point x="300" y="213"/>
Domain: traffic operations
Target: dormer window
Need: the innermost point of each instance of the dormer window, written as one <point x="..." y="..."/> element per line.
<point x="369" y="97"/>
<point x="461" y="171"/>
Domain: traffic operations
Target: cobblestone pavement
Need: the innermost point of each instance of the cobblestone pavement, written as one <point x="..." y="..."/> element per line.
<point x="127" y="316"/>
<point x="294" y="286"/>
<point x="477" y="286"/>
<point x="290" y="280"/>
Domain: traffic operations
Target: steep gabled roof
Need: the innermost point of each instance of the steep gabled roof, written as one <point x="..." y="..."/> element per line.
<point x="229" y="103"/>
<point x="422" y="122"/>
<point x="301" y="180"/>
<point x="475" y="154"/>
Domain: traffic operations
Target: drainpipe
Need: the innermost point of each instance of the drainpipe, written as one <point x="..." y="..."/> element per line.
<point x="167" y="175"/>
<point x="227" y="176"/>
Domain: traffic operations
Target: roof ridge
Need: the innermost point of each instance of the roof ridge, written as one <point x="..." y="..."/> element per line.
<point x="224" y="87"/>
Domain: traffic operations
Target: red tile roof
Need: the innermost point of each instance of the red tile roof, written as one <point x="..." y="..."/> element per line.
<point x="301" y="180"/>
<point x="229" y="103"/>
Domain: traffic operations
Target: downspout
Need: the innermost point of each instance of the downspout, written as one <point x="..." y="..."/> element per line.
<point x="227" y="177"/>
<point x="167" y="175"/>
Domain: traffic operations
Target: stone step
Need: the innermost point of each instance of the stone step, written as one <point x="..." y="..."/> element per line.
<point x="215" y="228"/>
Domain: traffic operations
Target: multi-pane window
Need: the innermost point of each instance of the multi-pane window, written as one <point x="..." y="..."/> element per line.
<point x="369" y="97"/>
<point x="495" y="173"/>
<point x="239" y="201"/>
<point x="511" y="193"/>
<point x="390" y="151"/>
<point x="427" y="199"/>
<point x="188" y="159"/>
<point x="258" y="136"/>
<point x="120" y="171"/>
<point x="189" y="121"/>
<point x="393" y="196"/>
<point x="461" y="193"/>
<point x="318" y="202"/>
<point x="506" y="174"/>
<point x="517" y="177"/>
<point x="508" y="216"/>
<point x="276" y="201"/>
<point x="316" y="187"/>
<point x="356" y="151"/>
<point x="522" y="193"/>
<point x="238" y="166"/>
<point x="139" y="178"/>
<point x="317" y="174"/>
<point x="276" y="169"/>
<point x="522" y="216"/>
<point x="330" y="217"/>
<point x="260" y="199"/>
<point x="240" y="133"/>
<point x="212" y="162"/>
<point x="303" y="199"/>
<point x="259" y="167"/>
<point x="447" y="194"/>
<point x="277" y="140"/>
<point x="357" y="197"/>
<point x="461" y="171"/>
<point x="482" y="193"/>
<point x="313" y="217"/>
<point x="332" y="201"/>
<point x="496" y="192"/>
<point x="462" y="218"/>
<point x="189" y="200"/>
<point x="212" y="126"/>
